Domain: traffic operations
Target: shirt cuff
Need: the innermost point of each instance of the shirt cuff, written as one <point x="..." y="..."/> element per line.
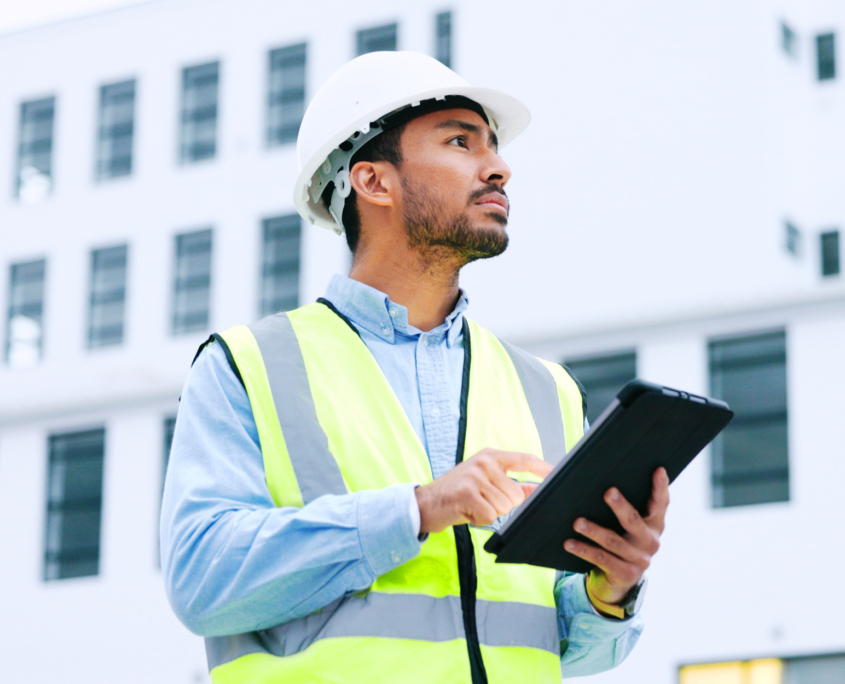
<point x="387" y="528"/>
<point x="575" y="604"/>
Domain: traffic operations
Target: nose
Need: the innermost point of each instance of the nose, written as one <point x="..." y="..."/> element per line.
<point x="495" y="170"/>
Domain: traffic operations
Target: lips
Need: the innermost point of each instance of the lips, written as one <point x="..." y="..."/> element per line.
<point x="494" y="200"/>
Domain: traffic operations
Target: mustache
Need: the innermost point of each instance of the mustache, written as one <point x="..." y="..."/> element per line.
<point x="486" y="190"/>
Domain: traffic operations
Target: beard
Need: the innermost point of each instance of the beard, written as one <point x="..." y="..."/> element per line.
<point x="436" y="235"/>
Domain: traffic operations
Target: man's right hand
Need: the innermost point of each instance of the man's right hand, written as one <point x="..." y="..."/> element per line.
<point x="478" y="490"/>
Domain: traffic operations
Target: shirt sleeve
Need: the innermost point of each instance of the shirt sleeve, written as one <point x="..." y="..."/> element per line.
<point x="232" y="561"/>
<point x="589" y="642"/>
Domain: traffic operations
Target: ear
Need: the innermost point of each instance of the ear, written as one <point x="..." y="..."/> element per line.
<point x="374" y="182"/>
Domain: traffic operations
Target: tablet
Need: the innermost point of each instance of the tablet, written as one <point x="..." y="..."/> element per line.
<point x="645" y="427"/>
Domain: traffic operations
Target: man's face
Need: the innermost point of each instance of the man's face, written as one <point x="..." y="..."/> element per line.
<point x="453" y="182"/>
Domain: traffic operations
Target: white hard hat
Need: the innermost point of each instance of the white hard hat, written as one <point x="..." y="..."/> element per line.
<point x="350" y="109"/>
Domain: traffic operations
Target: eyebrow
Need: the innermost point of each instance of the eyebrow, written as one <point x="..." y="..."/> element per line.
<point x="469" y="128"/>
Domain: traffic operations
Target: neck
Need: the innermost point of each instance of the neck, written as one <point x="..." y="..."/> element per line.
<point x="425" y="284"/>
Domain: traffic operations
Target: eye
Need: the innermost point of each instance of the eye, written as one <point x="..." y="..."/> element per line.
<point x="459" y="141"/>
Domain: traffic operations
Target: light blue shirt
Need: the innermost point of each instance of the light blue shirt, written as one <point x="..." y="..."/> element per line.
<point x="233" y="562"/>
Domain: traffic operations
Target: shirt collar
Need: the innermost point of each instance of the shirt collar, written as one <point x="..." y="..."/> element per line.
<point x="372" y="310"/>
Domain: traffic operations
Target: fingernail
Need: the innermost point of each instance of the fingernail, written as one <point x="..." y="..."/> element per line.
<point x="570" y="545"/>
<point x="580" y="524"/>
<point x="614" y="494"/>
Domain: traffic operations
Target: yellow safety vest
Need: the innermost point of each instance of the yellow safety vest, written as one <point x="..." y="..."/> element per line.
<point x="329" y="423"/>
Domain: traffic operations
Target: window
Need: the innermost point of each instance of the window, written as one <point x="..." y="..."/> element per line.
<point x="750" y="457"/>
<point x="35" y="150"/>
<point x="792" y="238"/>
<point x="117" y="126"/>
<point x="602" y="377"/>
<point x="286" y="97"/>
<point x="825" y="669"/>
<point x="169" y="428"/>
<point x="830" y="253"/>
<point x="25" y="334"/>
<point x="788" y="40"/>
<point x="280" y="264"/>
<point x="376" y="39"/>
<point x="199" y="112"/>
<point x="74" y="504"/>
<point x="192" y="284"/>
<point x="108" y="295"/>
<point x="443" y="38"/>
<point x="826" y="51"/>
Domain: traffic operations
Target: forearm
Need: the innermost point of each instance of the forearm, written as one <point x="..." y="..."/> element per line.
<point x="232" y="561"/>
<point x="233" y="570"/>
<point x="590" y="643"/>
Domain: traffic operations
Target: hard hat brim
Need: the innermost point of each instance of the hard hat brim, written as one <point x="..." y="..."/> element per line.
<point x="509" y="117"/>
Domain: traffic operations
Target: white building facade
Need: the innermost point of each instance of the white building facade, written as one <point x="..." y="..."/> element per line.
<point x="677" y="202"/>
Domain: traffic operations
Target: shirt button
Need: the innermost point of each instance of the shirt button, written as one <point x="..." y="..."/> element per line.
<point x="385" y="330"/>
<point x="435" y="411"/>
<point x="395" y="557"/>
<point x="424" y="341"/>
<point x="393" y="313"/>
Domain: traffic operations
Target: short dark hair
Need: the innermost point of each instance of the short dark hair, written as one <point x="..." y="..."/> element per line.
<point x="384" y="147"/>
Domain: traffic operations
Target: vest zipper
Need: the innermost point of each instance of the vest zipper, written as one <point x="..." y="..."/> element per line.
<point x="463" y="540"/>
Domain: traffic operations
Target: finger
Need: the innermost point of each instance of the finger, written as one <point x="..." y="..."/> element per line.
<point x="628" y="516"/>
<point x="528" y="488"/>
<point x="511" y="489"/>
<point x="617" y="570"/>
<point x="479" y="511"/>
<point x="612" y="542"/>
<point x="659" y="501"/>
<point x="498" y="499"/>
<point x="522" y="463"/>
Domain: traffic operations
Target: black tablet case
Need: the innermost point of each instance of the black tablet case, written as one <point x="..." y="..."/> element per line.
<point x="645" y="427"/>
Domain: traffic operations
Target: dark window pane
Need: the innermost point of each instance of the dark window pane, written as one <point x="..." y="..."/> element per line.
<point x="788" y="39"/>
<point x="117" y="127"/>
<point x="199" y="112"/>
<point x="826" y="53"/>
<point x="74" y="504"/>
<point x="827" y="669"/>
<point x="602" y="377"/>
<point x="286" y="94"/>
<point x="35" y="150"/>
<point x="192" y="284"/>
<point x="793" y="238"/>
<point x="169" y="428"/>
<point x="280" y="264"/>
<point x="24" y="325"/>
<point x="750" y="458"/>
<point x="443" y="38"/>
<point x="830" y="253"/>
<point x="108" y="295"/>
<point x="377" y="39"/>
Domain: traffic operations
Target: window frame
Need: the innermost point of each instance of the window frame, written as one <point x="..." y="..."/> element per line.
<point x="24" y="124"/>
<point x="90" y="343"/>
<point x="265" y="303"/>
<point x="718" y="468"/>
<point x="187" y="117"/>
<point x="12" y="309"/>
<point x="372" y="33"/>
<point x="290" y="52"/>
<point x="178" y="288"/>
<point x="56" y="510"/>
<point x="101" y="175"/>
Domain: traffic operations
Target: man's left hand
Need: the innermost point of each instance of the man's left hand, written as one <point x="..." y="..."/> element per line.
<point x="621" y="561"/>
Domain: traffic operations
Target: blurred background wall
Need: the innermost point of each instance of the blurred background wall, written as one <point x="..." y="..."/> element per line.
<point x="677" y="207"/>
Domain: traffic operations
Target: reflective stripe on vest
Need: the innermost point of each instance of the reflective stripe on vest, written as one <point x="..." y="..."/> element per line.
<point x="339" y="427"/>
<point x="503" y="624"/>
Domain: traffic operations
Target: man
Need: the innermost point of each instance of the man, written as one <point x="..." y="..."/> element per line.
<point x="336" y="470"/>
